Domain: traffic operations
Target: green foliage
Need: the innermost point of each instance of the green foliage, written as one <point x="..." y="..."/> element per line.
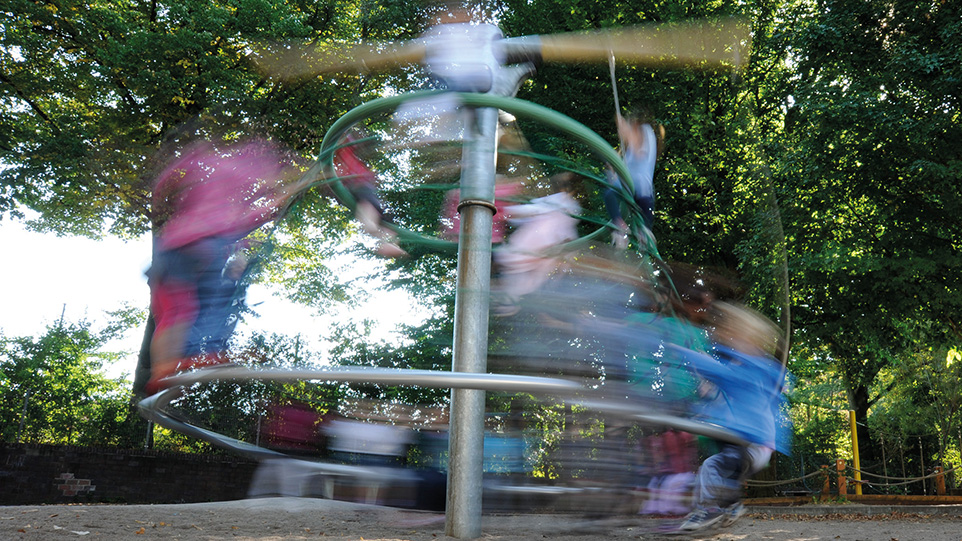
<point x="921" y="402"/>
<point x="427" y="348"/>
<point x="90" y="88"/>
<point x="869" y="218"/>
<point x="53" y="389"/>
<point x="824" y="177"/>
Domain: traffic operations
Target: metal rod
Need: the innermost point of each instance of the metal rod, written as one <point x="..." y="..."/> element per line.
<point x="855" y="458"/>
<point x="23" y="415"/>
<point x="154" y="407"/>
<point x="614" y="84"/>
<point x="463" y="510"/>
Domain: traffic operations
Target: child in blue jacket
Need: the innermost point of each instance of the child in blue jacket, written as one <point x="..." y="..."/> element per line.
<point x="748" y="381"/>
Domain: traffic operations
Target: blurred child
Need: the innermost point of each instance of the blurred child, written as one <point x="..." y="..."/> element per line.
<point x="505" y="190"/>
<point x="669" y="487"/>
<point x="512" y="169"/>
<point x="461" y="55"/>
<point x="294" y="429"/>
<point x="531" y="252"/>
<point x="361" y="182"/>
<point x="458" y="50"/>
<point x="206" y="201"/>
<point x="749" y="382"/>
<point x="641" y="143"/>
<point x="658" y="365"/>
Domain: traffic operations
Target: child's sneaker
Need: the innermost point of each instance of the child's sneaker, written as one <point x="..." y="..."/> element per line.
<point x="700" y="519"/>
<point x="159" y="375"/>
<point x="154" y="385"/>
<point x="619" y="239"/>
<point x="390" y="250"/>
<point x="733" y="512"/>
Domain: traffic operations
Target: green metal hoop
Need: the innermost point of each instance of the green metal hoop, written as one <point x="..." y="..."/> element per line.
<point x="323" y="166"/>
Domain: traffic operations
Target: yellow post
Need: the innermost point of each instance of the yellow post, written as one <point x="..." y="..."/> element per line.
<point x="855" y="464"/>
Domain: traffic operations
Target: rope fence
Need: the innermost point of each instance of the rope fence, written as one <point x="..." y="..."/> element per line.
<point x="844" y="475"/>
<point x="909" y="479"/>
<point x="778" y="482"/>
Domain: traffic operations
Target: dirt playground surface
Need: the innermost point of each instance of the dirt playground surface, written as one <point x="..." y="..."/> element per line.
<point x="297" y="518"/>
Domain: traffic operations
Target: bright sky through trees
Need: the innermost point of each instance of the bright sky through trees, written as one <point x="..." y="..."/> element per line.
<point x="46" y="275"/>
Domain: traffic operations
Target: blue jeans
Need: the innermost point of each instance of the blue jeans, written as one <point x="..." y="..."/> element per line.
<point x="719" y="479"/>
<point x="613" y="206"/>
<point x="202" y="264"/>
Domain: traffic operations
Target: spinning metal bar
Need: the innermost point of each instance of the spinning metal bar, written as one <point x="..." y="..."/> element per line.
<point x="154" y="407"/>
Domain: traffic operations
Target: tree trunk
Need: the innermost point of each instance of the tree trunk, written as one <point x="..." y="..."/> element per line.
<point x="142" y="373"/>
<point x="858" y="399"/>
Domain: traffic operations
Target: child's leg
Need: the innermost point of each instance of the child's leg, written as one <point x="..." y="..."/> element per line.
<point x="717" y="485"/>
<point x="718" y="482"/>
<point x="613" y="206"/>
<point x="214" y="296"/>
<point x="369" y="217"/>
<point x="652" y="505"/>
<point x="676" y="489"/>
<point x="758" y="457"/>
<point x="647" y="205"/>
<point x="175" y="308"/>
<point x="368" y="211"/>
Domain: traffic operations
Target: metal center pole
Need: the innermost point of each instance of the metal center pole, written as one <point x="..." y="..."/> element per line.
<point x="470" y="351"/>
<point x="463" y="511"/>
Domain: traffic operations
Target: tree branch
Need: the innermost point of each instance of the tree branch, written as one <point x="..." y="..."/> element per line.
<point x="4" y="78"/>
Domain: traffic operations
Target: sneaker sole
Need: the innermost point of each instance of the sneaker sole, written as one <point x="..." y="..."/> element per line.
<point x="729" y="520"/>
<point x="705" y="525"/>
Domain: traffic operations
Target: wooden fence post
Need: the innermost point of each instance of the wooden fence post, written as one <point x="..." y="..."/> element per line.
<point x="826" y="484"/>
<point x="842" y="481"/>
<point x="939" y="481"/>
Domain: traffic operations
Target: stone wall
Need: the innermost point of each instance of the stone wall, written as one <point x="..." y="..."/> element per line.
<point x="38" y="474"/>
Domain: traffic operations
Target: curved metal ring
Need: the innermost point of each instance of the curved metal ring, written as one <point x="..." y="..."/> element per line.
<point x="153" y="408"/>
<point x="324" y="167"/>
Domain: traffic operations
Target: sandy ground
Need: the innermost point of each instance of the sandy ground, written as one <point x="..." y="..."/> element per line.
<point x="296" y="518"/>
